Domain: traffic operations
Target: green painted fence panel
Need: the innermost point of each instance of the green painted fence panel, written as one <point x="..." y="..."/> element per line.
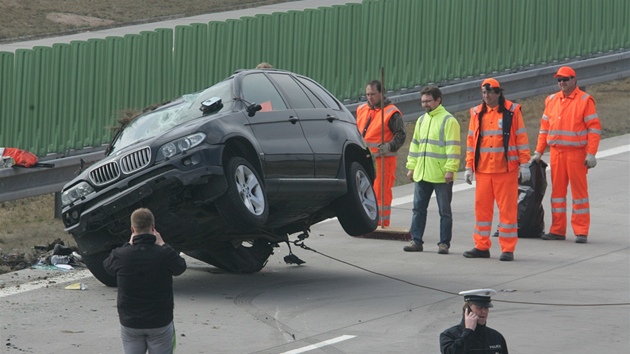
<point x="7" y="91"/>
<point x="65" y="97"/>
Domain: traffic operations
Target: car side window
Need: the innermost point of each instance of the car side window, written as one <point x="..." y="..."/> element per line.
<point x="293" y="91"/>
<point x="256" y="88"/>
<point x="328" y="100"/>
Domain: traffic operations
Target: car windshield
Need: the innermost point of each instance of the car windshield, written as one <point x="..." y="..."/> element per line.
<point x="172" y="114"/>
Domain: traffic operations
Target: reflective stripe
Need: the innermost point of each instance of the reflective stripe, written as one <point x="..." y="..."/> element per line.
<point x="508" y="226"/>
<point x="491" y="132"/>
<point x="497" y="149"/>
<point x="566" y="143"/>
<point x="580" y="211"/>
<point x="580" y="201"/>
<point x="558" y="210"/>
<point x="484" y="223"/>
<point x="508" y="234"/>
<point x="590" y="117"/>
<point x="594" y="131"/>
<point x="482" y="232"/>
<point x="558" y="200"/>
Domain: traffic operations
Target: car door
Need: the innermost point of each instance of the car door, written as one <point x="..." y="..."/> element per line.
<point x="318" y="123"/>
<point x="286" y="153"/>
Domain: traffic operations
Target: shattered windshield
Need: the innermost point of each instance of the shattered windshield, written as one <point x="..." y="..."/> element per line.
<point x="172" y="114"/>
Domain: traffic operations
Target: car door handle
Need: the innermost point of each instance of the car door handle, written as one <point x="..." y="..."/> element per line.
<point x="293" y="119"/>
<point x="330" y="118"/>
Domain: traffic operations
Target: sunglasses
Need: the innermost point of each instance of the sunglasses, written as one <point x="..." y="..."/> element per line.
<point x="564" y="79"/>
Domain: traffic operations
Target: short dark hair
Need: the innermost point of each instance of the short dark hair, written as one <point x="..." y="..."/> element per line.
<point x="377" y="84"/>
<point x="434" y="91"/>
<point x="142" y="220"/>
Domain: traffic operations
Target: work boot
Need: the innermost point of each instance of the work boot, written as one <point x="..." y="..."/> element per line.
<point x="477" y="253"/>
<point x="413" y="246"/>
<point x="551" y="236"/>
<point x="580" y="239"/>
<point x="442" y="248"/>
<point x="507" y="256"/>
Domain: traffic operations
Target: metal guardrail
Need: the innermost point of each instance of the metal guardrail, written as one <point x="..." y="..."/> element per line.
<point x="17" y="183"/>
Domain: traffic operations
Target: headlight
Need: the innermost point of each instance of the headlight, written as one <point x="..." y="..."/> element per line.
<point x="180" y="145"/>
<point x="75" y="193"/>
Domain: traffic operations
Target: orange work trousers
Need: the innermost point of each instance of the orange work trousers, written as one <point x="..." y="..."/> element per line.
<point x="384" y="193"/>
<point x="567" y="167"/>
<point x="502" y="188"/>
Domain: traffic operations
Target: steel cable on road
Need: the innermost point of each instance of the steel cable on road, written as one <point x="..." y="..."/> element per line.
<point x="456" y="294"/>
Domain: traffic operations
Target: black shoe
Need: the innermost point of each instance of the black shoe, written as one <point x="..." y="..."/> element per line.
<point x="580" y="239"/>
<point x="476" y="253"/>
<point x="551" y="236"/>
<point x="507" y="256"/>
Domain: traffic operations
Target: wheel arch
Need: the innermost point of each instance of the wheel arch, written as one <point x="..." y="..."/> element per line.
<point x="239" y="146"/>
<point x="363" y="156"/>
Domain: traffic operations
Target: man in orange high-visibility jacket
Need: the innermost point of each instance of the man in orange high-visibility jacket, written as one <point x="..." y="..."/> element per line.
<point x="498" y="153"/>
<point x="571" y="128"/>
<point x="383" y="140"/>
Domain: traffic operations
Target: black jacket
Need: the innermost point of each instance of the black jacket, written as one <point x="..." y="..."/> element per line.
<point x="144" y="272"/>
<point x="460" y="340"/>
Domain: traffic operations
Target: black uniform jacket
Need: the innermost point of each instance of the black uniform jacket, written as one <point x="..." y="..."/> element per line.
<point x="483" y="340"/>
<point x="144" y="272"/>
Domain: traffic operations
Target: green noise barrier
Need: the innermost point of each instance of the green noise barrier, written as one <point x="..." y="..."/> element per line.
<point x="67" y="97"/>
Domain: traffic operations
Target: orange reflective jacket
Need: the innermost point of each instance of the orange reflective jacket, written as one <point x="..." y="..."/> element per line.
<point x="570" y="123"/>
<point x="498" y="141"/>
<point x="369" y="124"/>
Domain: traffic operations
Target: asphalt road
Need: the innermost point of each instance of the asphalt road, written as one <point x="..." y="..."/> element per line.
<point x="356" y="295"/>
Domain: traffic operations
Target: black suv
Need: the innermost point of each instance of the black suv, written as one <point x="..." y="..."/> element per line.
<point x="229" y="172"/>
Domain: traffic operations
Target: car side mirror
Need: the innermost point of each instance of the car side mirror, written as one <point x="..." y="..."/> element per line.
<point x="253" y="108"/>
<point x="211" y="105"/>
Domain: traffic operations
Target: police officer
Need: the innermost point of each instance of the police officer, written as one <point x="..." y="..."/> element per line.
<point x="472" y="335"/>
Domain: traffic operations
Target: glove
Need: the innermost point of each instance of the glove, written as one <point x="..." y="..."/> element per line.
<point x="383" y="148"/>
<point x="524" y="172"/>
<point x="590" y="161"/>
<point x="536" y="157"/>
<point x="468" y="175"/>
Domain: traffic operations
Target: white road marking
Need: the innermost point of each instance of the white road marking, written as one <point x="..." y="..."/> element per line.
<point x="319" y="345"/>
<point x="64" y="277"/>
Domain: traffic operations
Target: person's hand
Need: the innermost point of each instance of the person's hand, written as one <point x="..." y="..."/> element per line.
<point x="470" y="319"/>
<point x="536" y="157"/>
<point x="590" y="161"/>
<point x="158" y="238"/>
<point x="448" y="176"/>
<point x="468" y="175"/>
<point x="383" y="148"/>
<point x="524" y="173"/>
<point x="410" y="175"/>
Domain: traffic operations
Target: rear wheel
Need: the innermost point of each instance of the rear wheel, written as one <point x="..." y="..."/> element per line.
<point x="244" y="204"/>
<point x="94" y="262"/>
<point x="239" y="259"/>
<point x="357" y="211"/>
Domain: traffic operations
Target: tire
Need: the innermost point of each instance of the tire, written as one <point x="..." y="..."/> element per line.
<point x="357" y="211"/>
<point x="94" y="262"/>
<point x="240" y="260"/>
<point x="244" y="205"/>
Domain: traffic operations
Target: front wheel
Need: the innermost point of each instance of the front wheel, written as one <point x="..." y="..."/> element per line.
<point x="357" y="211"/>
<point x="244" y="204"/>
<point x="94" y="262"/>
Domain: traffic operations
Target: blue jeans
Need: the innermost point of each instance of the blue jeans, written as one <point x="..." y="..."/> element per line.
<point x="421" y="198"/>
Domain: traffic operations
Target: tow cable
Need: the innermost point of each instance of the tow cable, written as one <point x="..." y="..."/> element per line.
<point x="293" y="259"/>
